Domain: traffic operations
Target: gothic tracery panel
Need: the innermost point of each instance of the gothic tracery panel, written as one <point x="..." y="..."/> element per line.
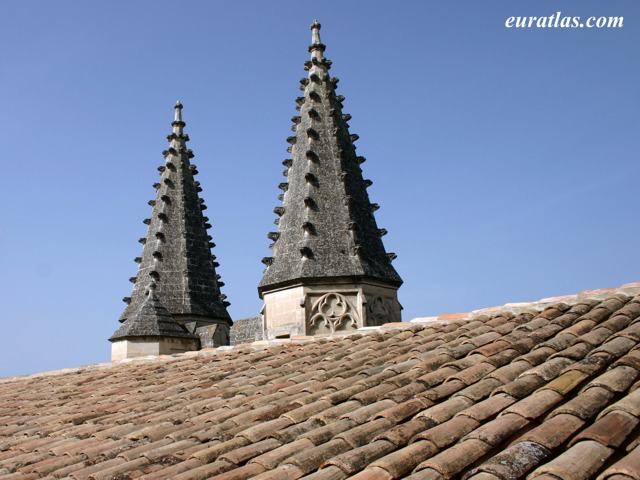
<point x="333" y="312"/>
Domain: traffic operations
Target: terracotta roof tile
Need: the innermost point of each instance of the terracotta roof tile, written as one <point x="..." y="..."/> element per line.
<point x="437" y="376"/>
<point x="358" y="436"/>
<point x="631" y="359"/>
<point x="626" y="468"/>
<point x="51" y="464"/>
<point x="483" y="476"/>
<point x="582" y="461"/>
<point x="291" y="433"/>
<point x="480" y="390"/>
<point x="403" y="461"/>
<point x="21" y="460"/>
<point x="243" y="454"/>
<point x="20" y="476"/>
<point x="90" y="470"/>
<point x="513" y="462"/>
<point x="130" y="450"/>
<point x="629" y="404"/>
<point x="455" y="459"/>
<point x="443" y="390"/>
<point x="263" y="430"/>
<point x="471" y="375"/>
<point x="208" y="455"/>
<point x="400" y="435"/>
<point x="522" y="386"/>
<point x="336" y="411"/>
<point x="614" y="348"/>
<point x="282" y="472"/>
<point x="367" y="412"/>
<point x="323" y="434"/>
<point x="330" y="472"/>
<point x="172" y="471"/>
<point x="536" y="404"/>
<point x="500" y="429"/>
<point x="587" y="404"/>
<point x="357" y="459"/>
<point x="399" y="412"/>
<point x="118" y="470"/>
<point x="241" y="473"/>
<point x="372" y="473"/>
<point x="611" y="430"/>
<point x="168" y="452"/>
<point x="343" y="394"/>
<point x="442" y="412"/>
<point x="619" y="477"/>
<point x="509" y="372"/>
<point x="616" y="380"/>
<point x="203" y="472"/>
<point x="305" y="412"/>
<point x="314" y="458"/>
<point x="87" y="447"/>
<point x="271" y="459"/>
<point x="448" y="432"/>
<point x="488" y="408"/>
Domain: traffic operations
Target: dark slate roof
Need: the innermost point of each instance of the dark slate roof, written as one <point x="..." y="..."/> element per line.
<point x="177" y="249"/>
<point x="151" y="320"/>
<point x="547" y="390"/>
<point x="326" y="226"/>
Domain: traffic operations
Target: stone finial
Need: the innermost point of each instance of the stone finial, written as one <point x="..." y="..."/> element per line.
<point x="316" y="48"/>
<point x="315" y="32"/>
<point x="178" y="124"/>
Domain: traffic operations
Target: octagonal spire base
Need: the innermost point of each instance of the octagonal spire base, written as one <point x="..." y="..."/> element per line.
<point x="339" y="306"/>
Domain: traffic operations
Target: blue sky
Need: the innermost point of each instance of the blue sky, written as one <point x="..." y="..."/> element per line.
<point x="505" y="161"/>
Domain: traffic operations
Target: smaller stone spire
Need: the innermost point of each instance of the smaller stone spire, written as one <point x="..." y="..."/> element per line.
<point x="176" y="264"/>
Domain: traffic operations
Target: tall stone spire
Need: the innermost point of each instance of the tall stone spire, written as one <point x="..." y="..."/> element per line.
<point x="329" y="265"/>
<point x="176" y="255"/>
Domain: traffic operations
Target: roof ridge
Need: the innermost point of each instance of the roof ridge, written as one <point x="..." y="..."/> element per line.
<point x="629" y="289"/>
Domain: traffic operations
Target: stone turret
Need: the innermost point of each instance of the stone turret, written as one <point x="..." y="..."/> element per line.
<point x="177" y="273"/>
<point x="329" y="270"/>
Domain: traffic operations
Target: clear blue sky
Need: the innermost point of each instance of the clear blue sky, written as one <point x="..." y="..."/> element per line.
<point x="505" y="161"/>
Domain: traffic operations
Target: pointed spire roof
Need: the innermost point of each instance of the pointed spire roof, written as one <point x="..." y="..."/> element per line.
<point x="151" y="320"/>
<point x="326" y="226"/>
<point x="176" y="254"/>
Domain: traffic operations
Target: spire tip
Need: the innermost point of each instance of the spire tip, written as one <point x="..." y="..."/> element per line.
<point x="178" y="113"/>
<point x="316" y="48"/>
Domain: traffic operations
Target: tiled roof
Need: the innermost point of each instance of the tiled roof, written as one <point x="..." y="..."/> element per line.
<point x="547" y="390"/>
